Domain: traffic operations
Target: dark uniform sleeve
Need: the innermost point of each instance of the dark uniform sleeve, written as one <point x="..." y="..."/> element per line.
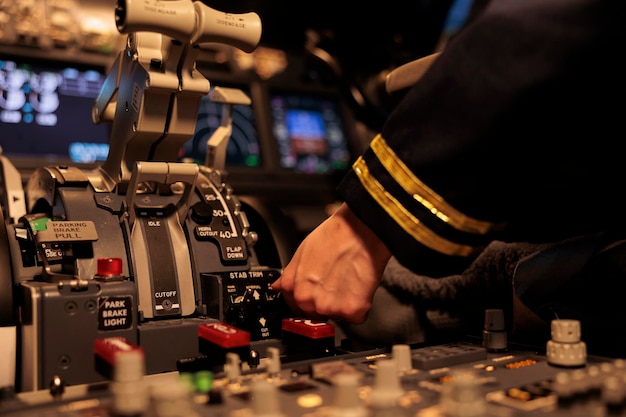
<point x="513" y="133"/>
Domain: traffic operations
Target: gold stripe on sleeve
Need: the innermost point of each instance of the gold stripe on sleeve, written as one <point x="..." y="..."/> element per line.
<point x="404" y="218"/>
<point x="425" y="195"/>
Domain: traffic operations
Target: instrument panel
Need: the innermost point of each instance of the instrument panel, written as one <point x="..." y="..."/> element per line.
<point x="136" y="261"/>
<point x="464" y="378"/>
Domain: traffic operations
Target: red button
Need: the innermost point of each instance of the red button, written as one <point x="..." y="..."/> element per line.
<point x="309" y="328"/>
<point x="108" y="348"/>
<point x="224" y="335"/>
<point x="109" y="267"/>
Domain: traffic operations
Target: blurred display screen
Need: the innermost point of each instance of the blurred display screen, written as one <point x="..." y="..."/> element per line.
<point x="45" y="116"/>
<point x="243" y="145"/>
<point x="45" y="111"/>
<point x="310" y="133"/>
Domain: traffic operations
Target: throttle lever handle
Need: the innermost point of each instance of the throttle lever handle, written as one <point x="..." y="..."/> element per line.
<point x="189" y="21"/>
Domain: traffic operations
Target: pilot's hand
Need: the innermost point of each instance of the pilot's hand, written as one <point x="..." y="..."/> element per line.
<point x="335" y="270"/>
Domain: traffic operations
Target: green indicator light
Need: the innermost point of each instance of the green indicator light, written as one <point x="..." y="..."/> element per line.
<point x="39" y="225"/>
<point x="252" y="160"/>
<point x="204" y="381"/>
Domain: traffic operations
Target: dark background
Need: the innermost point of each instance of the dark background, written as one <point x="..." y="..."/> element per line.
<point x="365" y="37"/>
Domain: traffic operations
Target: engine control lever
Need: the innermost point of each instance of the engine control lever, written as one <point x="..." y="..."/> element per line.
<point x="152" y="93"/>
<point x="218" y="142"/>
<point x="188" y="21"/>
<point x="163" y="272"/>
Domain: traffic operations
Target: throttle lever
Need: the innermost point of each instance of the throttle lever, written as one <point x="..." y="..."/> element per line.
<point x="189" y="22"/>
<point x="153" y="92"/>
<point x="159" y="247"/>
<point x="218" y="142"/>
<point x="162" y="173"/>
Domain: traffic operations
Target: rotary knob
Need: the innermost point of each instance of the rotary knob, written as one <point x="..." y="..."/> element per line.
<point x="565" y="348"/>
<point x="201" y="213"/>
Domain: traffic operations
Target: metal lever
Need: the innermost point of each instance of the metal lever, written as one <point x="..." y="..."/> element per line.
<point x="218" y="142"/>
<point x="159" y="247"/>
<point x="408" y="74"/>
<point x="153" y="92"/>
<point x="162" y="173"/>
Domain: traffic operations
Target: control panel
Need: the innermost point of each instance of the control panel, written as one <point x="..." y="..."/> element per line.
<point x="307" y="375"/>
<point x="138" y="282"/>
<point x="142" y="247"/>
